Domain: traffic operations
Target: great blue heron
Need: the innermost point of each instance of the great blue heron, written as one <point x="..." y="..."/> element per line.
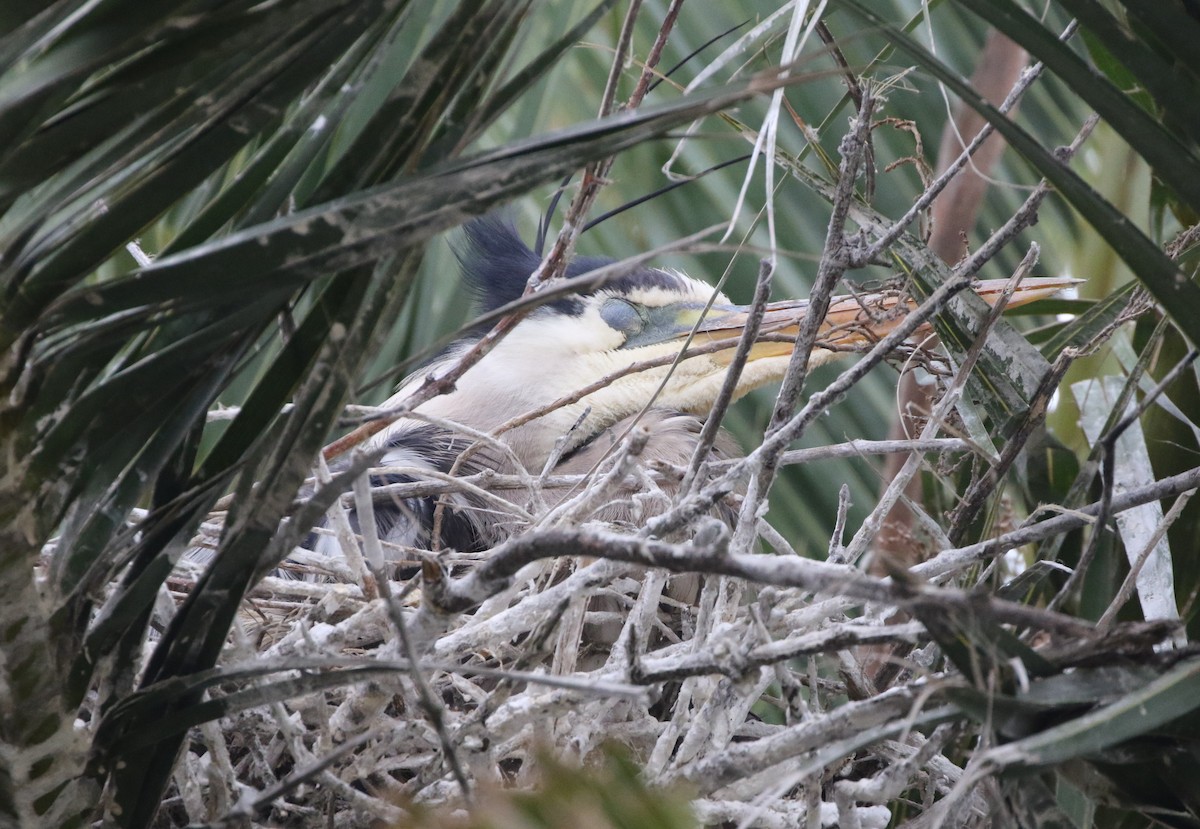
<point x="641" y="317"/>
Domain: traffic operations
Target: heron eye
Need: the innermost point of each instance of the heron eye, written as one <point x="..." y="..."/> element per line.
<point x="623" y="316"/>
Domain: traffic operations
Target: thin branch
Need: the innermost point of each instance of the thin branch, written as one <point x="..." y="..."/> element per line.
<point x="837" y="548"/>
<point x="346" y="538"/>
<point x="736" y="664"/>
<point x="1027" y="214"/>
<point x="655" y="54"/>
<point x="1125" y="592"/>
<point x="853" y="87"/>
<point x="829" y="272"/>
<point x="712" y="424"/>
<point x="954" y="560"/>
<point x="428" y="700"/>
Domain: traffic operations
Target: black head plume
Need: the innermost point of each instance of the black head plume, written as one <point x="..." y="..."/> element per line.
<point x="496" y="263"/>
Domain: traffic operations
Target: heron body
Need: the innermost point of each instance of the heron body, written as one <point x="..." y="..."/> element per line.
<point x="639" y="318"/>
<point x="559" y="348"/>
